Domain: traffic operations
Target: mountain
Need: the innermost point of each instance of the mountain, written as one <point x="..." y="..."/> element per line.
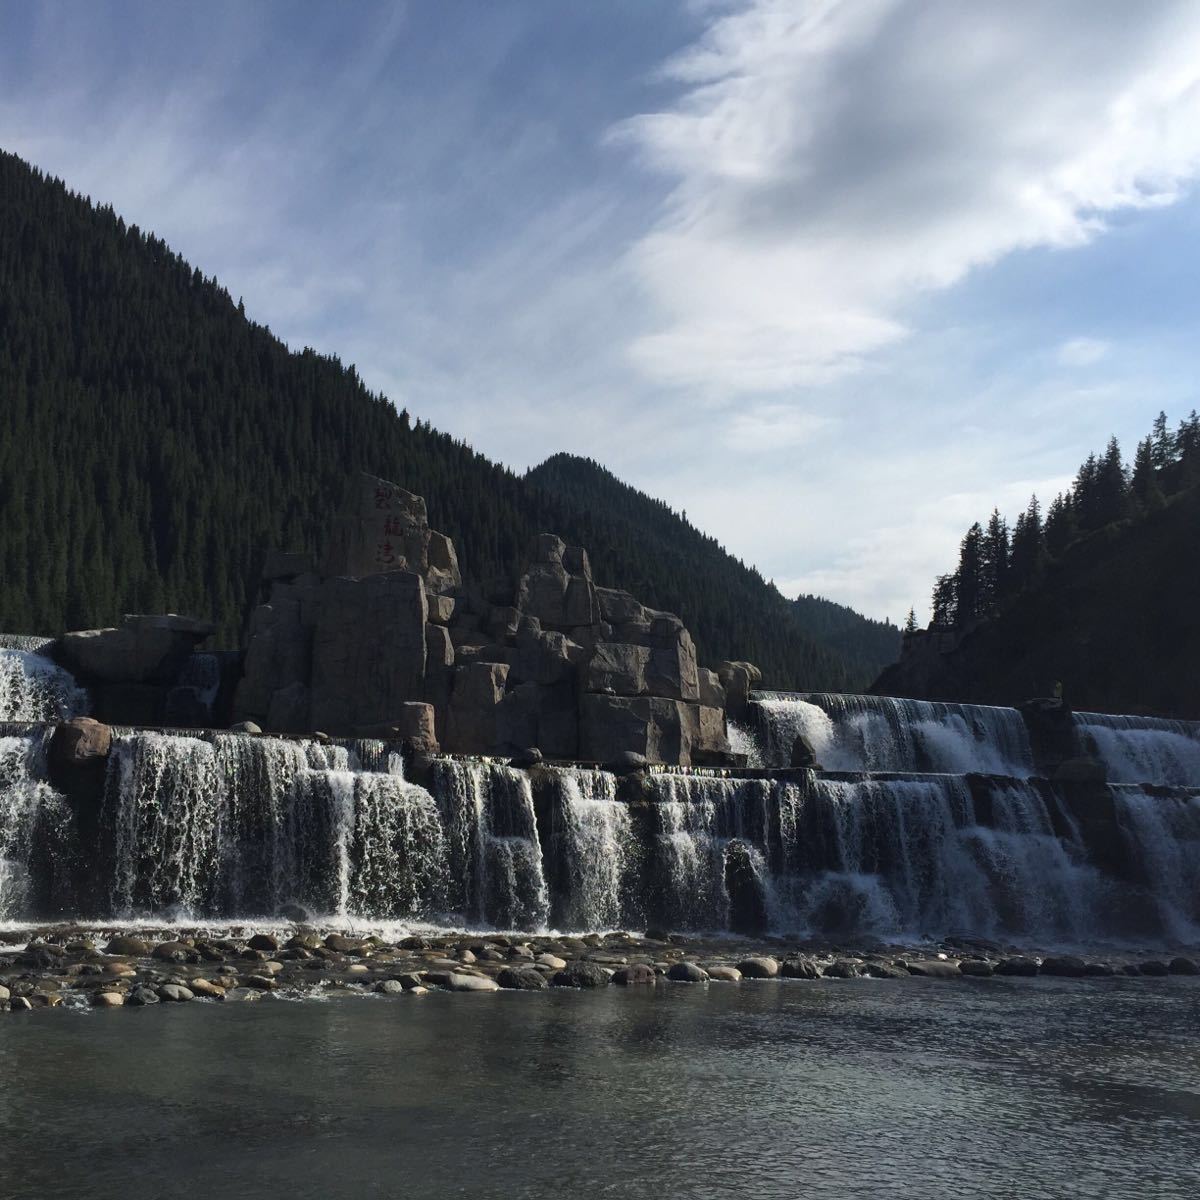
<point x="725" y="594"/>
<point x="1101" y="597"/>
<point x="154" y="440"/>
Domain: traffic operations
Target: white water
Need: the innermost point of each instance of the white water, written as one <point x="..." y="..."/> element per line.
<point x="33" y="687"/>
<point x="593" y="848"/>
<point x="242" y="826"/>
<point x="878" y="733"/>
<point x="33" y="819"/>
<point x="495" y="853"/>
<point x="1164" y="840"/>
<point x="1143" y="749"/>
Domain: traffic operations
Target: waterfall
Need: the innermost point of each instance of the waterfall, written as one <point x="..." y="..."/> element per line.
<point x="33" y="687"/>
<point x="593" y="850"/>
<point x="240" y="826"/>
<point x="1143" y="749"/>
<point x="1163" y="835"/>
<point x="494" y="853"/>
<point x="35" y="822"/>
<point x="711" y="837"/>
<point x="879" y="733"/>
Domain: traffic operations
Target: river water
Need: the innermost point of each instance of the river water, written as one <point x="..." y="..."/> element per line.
<point x="981" y="1088"/>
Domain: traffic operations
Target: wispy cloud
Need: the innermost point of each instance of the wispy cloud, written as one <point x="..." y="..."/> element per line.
<point x="1082" y="352"/>
<point x="833" y="160"/>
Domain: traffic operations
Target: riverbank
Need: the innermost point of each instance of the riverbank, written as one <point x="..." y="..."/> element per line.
<point x="79" y="967"/>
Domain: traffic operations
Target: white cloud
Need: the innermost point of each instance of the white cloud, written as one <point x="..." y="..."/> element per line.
<point x="1082" y="352"/>
<point x="834" y="159"/>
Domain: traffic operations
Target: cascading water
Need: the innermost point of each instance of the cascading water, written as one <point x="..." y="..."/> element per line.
<point x="35" y="823"/>
<point x="1163" y="835"/>
<point x="711" y="838"/>
<point x="240" y="826"/>
<point x="593" y="850"/>
<point x="495" y="854"/>
<point x="32" y="686"/>
<point x="1142" y="749"/>
<point x="879" y="733"/>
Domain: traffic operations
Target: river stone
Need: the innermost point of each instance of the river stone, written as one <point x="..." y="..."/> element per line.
<point x="1019" y="965"/>
<point x="175" y="993"/>
<point x="883" y="970"/>
<point x="107" y="1000"/>
<point x="1183" y="966"/>
<point x="1065" y="965"/>
<point x="979" y="967"/>
<point x="416" y="991"/>
<point x="843" y="968"/>
<point x="552" y="961"/>
<point x="389" y="987"/>
<point x="759" y="968"/>
<point x="20" y="1004"/>
<point x="934" y="968"/>
<point x="457" y="981"/>
<point x="724" y="974"/>
<point x="206" y="987"/>
<point x="142" y="995"/>
<point x="637" y="973"/>
<point x="175" y="952"/>
<point x="581" y="975"/>
<point x="5" y="994"/>
<point x="1099" y="970"/>
<point x="800" y="968"/>
<point x="686" y="972"/>
<point x="1154" y="967"/>
<point x="264" y="941"/>
<point x="521" y="979"/>
<point x="340" y="944"/>
<point x="41" y="954"/>
<point x="261" y="983"/>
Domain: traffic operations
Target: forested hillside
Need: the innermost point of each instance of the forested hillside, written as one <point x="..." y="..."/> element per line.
<point x="1099" y="595"/>
<point x="153" y="440"/>
<point x="724" y="590"/>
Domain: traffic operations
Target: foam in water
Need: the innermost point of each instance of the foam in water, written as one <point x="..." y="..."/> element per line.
<point x="879" y="733"/>
<point x="34" y="820"/>
<point x="34" y="688"/>
<point x="1143" y="749"/>
<point x="495" y="854"/>
<point x="242" y="826"/>
<point x="593" y="848"/>
<point x="1163" y="834"/>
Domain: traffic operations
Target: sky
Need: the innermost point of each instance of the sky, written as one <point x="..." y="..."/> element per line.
<point x="834" y="277"/>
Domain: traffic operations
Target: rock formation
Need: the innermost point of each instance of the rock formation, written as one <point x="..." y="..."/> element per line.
<point x="545" y="661"/>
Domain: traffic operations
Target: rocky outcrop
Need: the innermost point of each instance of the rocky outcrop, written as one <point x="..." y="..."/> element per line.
<point x="142" y="649"/>
<point x="544" y="660"/>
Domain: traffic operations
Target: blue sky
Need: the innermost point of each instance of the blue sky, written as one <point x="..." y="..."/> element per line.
<point x="833" y="276"/>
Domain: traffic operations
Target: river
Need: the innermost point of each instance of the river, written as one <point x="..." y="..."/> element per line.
<point x="983" y="1088"/>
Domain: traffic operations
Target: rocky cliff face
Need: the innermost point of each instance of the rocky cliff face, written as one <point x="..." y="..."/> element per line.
<point x="384" y="639"/>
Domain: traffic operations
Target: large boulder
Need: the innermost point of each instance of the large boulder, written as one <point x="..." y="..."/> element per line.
<point x="659" y="729"/>
<point x="557" y="586"/>
<point x="414" y="724"/>
<point x="737" y="678"/>
<point x="471" y="723"/>
<point x="618" y="668"/>
<point x="368" y="650"/>
<point x="278" y="657"/>
<point x="81" y="743"/>
<point x="143" y="649"/>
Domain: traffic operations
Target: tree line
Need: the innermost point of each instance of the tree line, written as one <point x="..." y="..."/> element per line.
<point x="998" y="562"/>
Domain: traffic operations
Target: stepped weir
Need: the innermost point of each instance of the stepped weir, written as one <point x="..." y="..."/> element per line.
<point x="919" y="820"/>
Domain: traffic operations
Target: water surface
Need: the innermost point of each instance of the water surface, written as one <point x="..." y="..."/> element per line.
<point x="988" y="1088"/>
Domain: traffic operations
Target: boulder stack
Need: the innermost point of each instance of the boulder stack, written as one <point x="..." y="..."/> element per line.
<point x="543" y="660"/>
